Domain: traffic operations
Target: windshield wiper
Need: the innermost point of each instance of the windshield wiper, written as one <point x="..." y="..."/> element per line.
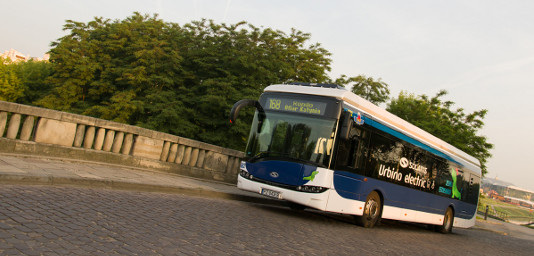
<point x="263" y="154"/>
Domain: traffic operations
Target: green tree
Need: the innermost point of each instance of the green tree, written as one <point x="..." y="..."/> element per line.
<point x="11" y="88"/>
<point x="437" y="117"/>
<point x="375" y="91"/>
<point x="177" y="79"/>
<point x="34" y="78"/>
<point x="227" y="63"/>
<point x="104" y="68"/>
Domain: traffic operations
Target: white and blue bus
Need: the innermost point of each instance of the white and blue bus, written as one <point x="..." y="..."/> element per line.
<point x="323" y="147"/>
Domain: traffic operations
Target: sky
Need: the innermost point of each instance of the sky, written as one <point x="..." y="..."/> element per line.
<point x="481" y="52"/>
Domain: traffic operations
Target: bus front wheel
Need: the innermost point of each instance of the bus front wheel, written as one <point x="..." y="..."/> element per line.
<point x="448" y="220"/>
<point x="371" y="211"/>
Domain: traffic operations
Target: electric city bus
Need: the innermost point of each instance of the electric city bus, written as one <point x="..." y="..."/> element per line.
<point x="323" y="147"/>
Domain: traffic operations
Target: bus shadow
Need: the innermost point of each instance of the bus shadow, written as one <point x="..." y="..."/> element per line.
<point x="318" y="217"/>
<point x="307" y="214"/>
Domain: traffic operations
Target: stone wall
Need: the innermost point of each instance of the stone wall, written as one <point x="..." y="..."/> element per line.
<point x="31" y="130"/>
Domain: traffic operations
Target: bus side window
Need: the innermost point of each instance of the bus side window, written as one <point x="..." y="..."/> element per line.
<point x="432" y="173"/>
<point x="474" y="187"/>
<point x="360" y="151"/>
<point x="463" y="185"/>
<point x="444" y="181"/>
<point x="384" y="152"/>
<point x="351" y="152"/>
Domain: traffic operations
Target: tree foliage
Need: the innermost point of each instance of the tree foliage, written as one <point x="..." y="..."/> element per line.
<point x="375" y="91"/>
<point x="10" y="85"/>
<point x="437" y="117"/>
<point x="24" y="82"/>
<point x="177" y="79"/>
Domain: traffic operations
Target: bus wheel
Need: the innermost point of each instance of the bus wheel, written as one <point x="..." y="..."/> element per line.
<point x="448" y="220"/>
<point x="371" y="211"/>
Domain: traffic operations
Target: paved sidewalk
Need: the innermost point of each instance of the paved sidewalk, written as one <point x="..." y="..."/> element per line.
<point x="22" y="169"/>
<point x="19" y="169"/>
<point x="507" y="229"/>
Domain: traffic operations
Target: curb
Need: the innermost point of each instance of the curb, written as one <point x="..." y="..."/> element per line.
<point x="12" y="179"/>
<point x="489" y="230"/>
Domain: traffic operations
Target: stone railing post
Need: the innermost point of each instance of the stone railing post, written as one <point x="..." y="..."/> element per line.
<point x="13" y="128"/>
<point x="27" y="128"/>
<point x="3" y="122"/>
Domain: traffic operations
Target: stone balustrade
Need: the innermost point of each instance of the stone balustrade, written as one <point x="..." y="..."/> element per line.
<point x="32" y="130"/>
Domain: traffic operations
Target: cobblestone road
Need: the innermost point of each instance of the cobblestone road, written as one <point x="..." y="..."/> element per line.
<point x="37" y="220"/>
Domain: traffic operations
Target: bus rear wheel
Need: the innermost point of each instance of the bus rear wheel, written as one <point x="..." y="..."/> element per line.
<point x="448" y="220"/>
<point x="371" y="211"/>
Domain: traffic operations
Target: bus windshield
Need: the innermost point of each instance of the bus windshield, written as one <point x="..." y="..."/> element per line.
<point x="291" y="137"/>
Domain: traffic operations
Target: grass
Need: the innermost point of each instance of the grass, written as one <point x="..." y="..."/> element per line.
<point x="513" y="212"/>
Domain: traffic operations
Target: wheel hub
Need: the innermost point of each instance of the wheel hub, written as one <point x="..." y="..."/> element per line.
<point x="371" y="209"/>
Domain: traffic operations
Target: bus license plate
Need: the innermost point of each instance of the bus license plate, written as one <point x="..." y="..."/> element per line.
<point x="271" y="193"/>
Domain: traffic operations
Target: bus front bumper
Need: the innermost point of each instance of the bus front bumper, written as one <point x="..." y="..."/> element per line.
<point x="313" y="200"/>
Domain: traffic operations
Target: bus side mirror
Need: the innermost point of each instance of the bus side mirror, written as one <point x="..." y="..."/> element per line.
<point x="345" y="124"/>
<point x="243" y="103"/>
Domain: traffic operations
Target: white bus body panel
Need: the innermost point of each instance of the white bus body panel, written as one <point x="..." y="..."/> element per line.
<point x="338" y="204"/>
<point x="314" y="200"/>
<point x="465" y="223"/>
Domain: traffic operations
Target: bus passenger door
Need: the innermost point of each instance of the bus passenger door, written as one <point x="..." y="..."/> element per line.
<point x="474" y="189"/>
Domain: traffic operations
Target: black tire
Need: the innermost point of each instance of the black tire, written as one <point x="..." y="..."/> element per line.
<point x="448" y="221"/>
<point x="296" y="207"/>
<point x="371" y="211"/>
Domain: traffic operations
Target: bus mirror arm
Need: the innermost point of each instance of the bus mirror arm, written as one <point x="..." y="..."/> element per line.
<point x="345" y="125"/>
<point x="261" y="117"/>
<point x="243" y="103"/>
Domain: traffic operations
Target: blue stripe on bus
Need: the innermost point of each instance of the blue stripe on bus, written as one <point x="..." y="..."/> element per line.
<point x="406" y="138"/>
<point x="351" y="186"/>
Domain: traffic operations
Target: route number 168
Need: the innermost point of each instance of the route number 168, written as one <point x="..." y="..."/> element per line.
<point x="274" y="104"/>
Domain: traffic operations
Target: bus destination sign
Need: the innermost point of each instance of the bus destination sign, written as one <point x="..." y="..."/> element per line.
<point x="297" y="106"/>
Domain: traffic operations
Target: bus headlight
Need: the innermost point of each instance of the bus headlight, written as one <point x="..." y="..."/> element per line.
<point x="311" y="189"/>
<point x="245" y="174"/>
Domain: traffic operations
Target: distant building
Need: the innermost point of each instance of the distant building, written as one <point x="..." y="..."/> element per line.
<point x="17" y="56"/>
<point x="518" y="192"/>
<point x="507" y="192"/>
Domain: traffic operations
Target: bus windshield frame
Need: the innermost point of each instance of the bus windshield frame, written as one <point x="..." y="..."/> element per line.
<point x="299" y="129"/>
